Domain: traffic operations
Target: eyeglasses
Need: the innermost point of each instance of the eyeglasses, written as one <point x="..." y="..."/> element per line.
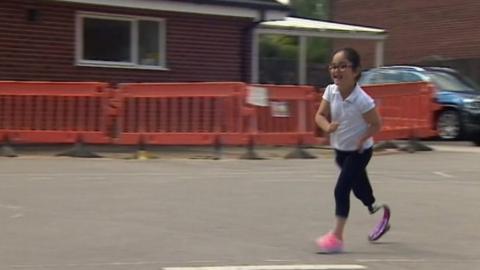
<point x="341" y="67"/>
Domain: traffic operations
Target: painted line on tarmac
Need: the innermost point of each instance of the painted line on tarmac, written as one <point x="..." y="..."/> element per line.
<point x="15" y="208"/>
<point x="76" y="265"/>
<point x="276" y="267"/>
<point x="290" y="180"/>
<point x="246" y="267"/>
<point x="42" y="175"/>
<point x="10" y="206"/>
<point x="442" y="174"/>
<point x="48" y="176"/>
<point x="456" y="148"/>
<point x="391" y="260"/>
<point x="278" y="261"/>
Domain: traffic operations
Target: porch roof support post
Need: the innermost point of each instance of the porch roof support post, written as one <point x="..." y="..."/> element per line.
<point x="379" y="53"/>
<point x="302" y="60"/>
<point x="255" y="58"/>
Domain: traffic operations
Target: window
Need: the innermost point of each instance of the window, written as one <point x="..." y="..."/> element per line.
<point x="448" y="82"/>
<point x="411" y="77"/>
<point x="120" y="41"/>
<point x="381" y="77"/>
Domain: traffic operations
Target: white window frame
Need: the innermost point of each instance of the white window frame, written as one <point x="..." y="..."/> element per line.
<point x="79" y="28"/>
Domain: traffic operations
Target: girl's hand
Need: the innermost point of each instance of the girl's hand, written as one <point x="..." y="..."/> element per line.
<point x="332" y="127"/>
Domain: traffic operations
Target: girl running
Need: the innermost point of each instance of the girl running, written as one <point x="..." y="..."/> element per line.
<point x="349" y="115"/>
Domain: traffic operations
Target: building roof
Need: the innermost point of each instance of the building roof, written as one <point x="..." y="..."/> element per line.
<point x="258" y="4"/>
<point x="257" y="9"/>
<point x="308" y="27"/>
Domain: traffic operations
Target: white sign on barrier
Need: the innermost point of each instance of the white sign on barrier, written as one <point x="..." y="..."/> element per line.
<point x="279" y="109"/>
<point x="257" y="96"/>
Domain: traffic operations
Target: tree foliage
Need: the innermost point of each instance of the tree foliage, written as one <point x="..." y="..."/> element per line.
<point x="286" y="47"/>
<point x="314" y="9"/>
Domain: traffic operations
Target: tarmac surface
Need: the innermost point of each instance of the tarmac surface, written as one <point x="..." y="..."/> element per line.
<point x="184" y="209"/>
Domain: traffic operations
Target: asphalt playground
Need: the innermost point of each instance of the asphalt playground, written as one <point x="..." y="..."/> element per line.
<point x="187" y="212"/>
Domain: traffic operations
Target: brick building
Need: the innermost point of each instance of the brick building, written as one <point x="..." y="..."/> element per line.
<point x="441" y="33"/>
<point x="130" y="40"/>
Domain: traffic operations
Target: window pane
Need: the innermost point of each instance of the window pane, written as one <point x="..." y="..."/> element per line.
<point x="446" y="81"/>
<point x="411" y="77"/>
<point x="106" y="40"/>
<point x="149" y="43"/>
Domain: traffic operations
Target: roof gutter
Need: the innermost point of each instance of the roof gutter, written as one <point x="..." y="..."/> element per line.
<point x="214" y="7"/>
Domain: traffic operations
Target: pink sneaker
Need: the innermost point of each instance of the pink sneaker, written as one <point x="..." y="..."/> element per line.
<point x="329" y="243"/>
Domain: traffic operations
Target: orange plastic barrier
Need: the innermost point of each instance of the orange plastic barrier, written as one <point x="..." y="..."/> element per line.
<point x="287" y="119"/>
<point x="407" y="110"/>
<point x="181" y="113"/>
<point x="53" y="112"/>
<point x="193" y="113"/>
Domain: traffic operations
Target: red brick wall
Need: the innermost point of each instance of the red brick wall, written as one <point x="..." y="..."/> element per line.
<point x="199" y="47"/>
<point x="417" y="29"/>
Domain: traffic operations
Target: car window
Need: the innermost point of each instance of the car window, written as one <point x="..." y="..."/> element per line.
<point x="380" y="77"/>
<point x="446" y="81"/>
<point x="411" y="77"/>
<point x="364" y="78"/>
<point x="466" y="80"/>
<point x="390" y="76"/>
<point x="368" y="77"/>
<point x="470" y="82"/>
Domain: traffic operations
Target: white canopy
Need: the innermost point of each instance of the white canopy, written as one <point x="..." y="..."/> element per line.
<point x="304" y="28"/>
<point x="299" y="26"/>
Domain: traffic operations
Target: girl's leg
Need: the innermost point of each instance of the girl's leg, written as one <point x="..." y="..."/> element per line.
<point x="340" y="223"/>
<point x="362" y="189"/>
<point x="351" y="169"/>
<point x="342" y="192"/>
<point x="342" y="201"/>
<point x="352" y="166"/>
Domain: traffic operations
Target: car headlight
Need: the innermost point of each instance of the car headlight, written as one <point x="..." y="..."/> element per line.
<point x="472" y="104"/>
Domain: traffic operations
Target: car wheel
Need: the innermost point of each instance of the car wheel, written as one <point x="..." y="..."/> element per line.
<point x="477" y="141"/>
<point x="449" y="125"/>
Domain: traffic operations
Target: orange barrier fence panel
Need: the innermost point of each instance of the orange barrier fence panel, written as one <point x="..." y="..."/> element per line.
<point x="407" y="109"/>
<point x="53" y="112"/>
<point x="181" y="113"/>
<point x="193" y="113"/>
<point x="286" y="119"/>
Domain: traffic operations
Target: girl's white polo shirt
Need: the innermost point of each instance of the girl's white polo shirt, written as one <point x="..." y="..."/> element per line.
<point x="348" y="113"/>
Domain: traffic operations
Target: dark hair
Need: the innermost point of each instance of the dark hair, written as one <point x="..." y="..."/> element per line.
<point x="352" y="56"/>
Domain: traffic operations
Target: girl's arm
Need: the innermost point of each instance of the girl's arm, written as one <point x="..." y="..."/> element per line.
<point x="372" y="118"/>
<point x="322" y="115"/>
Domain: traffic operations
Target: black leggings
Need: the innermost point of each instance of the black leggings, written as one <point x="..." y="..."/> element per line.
<point x="353" y="176"/>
